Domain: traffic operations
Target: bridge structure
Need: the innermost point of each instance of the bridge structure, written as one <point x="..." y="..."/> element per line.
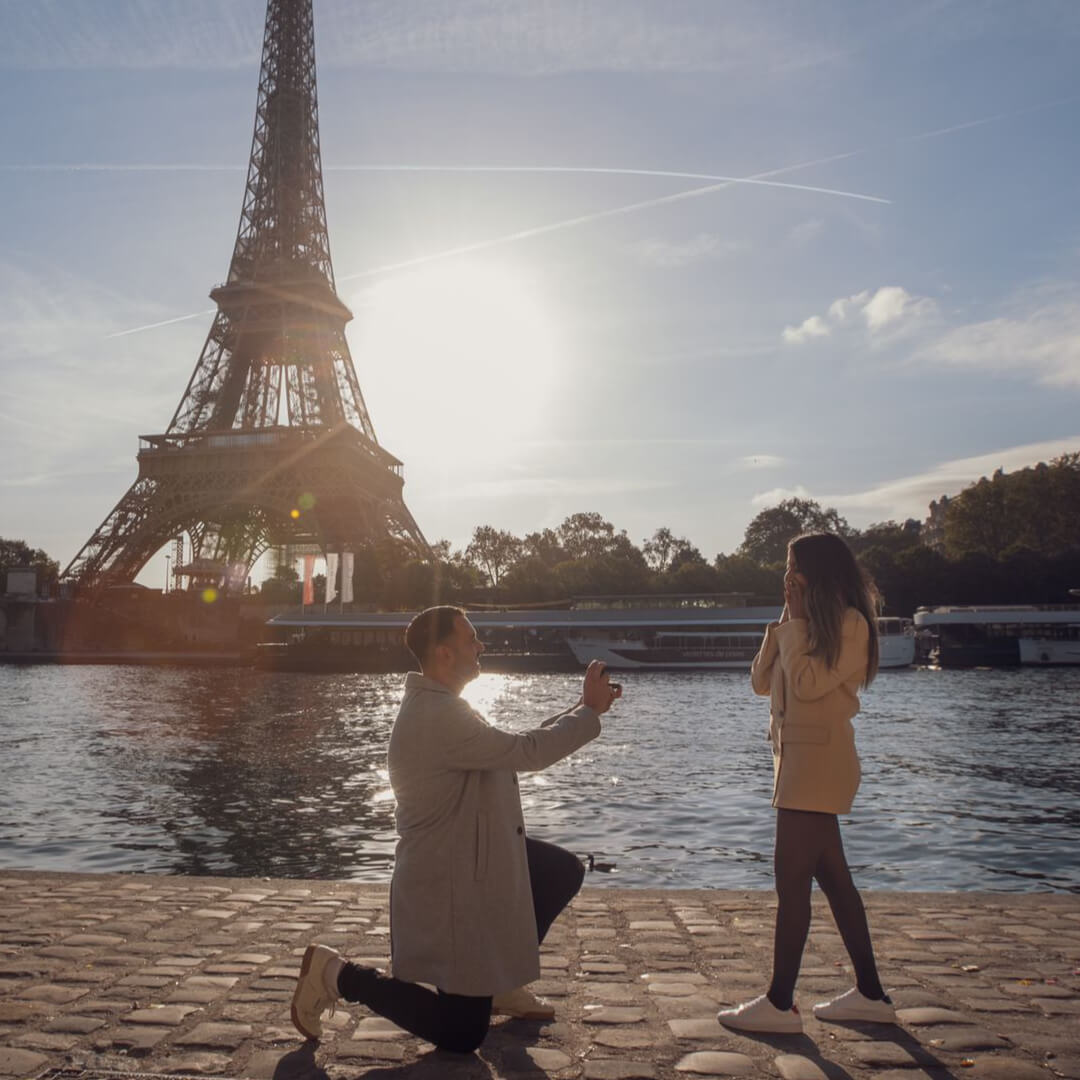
<point x="271" y="445"/>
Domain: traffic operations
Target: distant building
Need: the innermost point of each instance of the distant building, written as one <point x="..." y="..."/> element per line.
<point x="21" y="581"/>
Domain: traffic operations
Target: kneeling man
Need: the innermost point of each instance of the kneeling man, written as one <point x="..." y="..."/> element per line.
<point x="471" y="896"/>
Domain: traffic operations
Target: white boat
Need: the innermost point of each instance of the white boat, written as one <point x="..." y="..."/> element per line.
<point x="896" y="642"/>
<point x="731" y="649"/>
<point x="1004" y="635"/>
<point x="1046" y="652"/>
<point x="730" y="643"/>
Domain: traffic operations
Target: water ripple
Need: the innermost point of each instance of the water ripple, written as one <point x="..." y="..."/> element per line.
<point x="970" y="778"/>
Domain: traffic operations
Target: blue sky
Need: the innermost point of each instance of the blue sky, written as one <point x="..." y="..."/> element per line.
<point x="547" y="319"/>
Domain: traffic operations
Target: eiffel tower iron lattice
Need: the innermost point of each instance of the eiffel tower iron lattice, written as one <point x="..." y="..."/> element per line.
<point x="271" y="443"/>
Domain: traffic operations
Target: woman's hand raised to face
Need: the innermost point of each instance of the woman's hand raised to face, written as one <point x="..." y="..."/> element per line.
<point x="599" y="692"/>
<point x="794" y="596"/>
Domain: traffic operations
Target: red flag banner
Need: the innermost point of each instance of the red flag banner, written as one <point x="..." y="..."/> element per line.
<point x="309" y="583"/>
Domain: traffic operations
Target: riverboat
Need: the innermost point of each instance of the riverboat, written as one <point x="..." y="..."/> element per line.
<point x="1006" y="635"/>
<point x="696" y="631"/>
<point x="663" y="633"/>
<point x="730" y="643"/>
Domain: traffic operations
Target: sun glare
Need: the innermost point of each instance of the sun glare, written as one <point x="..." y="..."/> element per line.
<point x="466" y="343"/>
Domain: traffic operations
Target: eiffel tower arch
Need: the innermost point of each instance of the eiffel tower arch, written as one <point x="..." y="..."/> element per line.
<point x="271" y="443"/>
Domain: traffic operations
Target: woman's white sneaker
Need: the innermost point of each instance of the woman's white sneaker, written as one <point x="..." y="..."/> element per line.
<point x="763" y="1016"/>
<point x="852" y="1005"/>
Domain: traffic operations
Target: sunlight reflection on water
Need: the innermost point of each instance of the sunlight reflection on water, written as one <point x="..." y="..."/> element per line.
<point x="970" y="778"/>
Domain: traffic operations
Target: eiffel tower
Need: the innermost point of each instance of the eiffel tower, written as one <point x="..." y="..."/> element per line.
<point x="271" y="444"/>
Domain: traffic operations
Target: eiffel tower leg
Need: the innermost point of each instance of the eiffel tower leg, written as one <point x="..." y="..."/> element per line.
<point x="108" y="554"/>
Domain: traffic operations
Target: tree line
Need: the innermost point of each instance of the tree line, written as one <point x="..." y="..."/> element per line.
<point x="1009" y="538"/>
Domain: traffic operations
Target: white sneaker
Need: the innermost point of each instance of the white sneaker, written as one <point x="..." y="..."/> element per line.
<point x="761" y="1015"/>
<point x="852" y="1005"/>
<point x="314" y="994"/>
<point x="522" y="1004"/>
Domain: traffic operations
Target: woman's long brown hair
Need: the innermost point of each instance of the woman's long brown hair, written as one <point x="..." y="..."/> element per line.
<point x="834" y="582"/>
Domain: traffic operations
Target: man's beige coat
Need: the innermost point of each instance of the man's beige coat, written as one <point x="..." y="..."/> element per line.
<point x="461" y="912"/>
<point x="815" y="765"/>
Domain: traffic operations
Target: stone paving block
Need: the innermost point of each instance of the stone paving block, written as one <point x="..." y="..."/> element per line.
<point x="617" y="1069"/>
<point x="18" y="1012"/>
<point x="923" y="1016"/>
<point x="696" y="1028"/>
<point x="797" y="1067"/>
<point x="607" y="993"/>
<point x="194" y="1064"/>
<point x="1006" y="1068"/>
<point x="623" y="1038"/>
<point x="223" y="982"/>
<point x="53" y="994"/>
<point x="673" y="989"/>
<point x="15" y="1062"/>
<point x="196" y="995"/>
<point x="73" y="1023"/>
<point x="96" y="940"/>
<point x="136" y="1040"/>
<point x="375" y="1027"/>
<point x="716" y="1063"/>
<point x="962" y="1038"/>
<point x="105" y="1005"/>
<point x="614" y="1014"/>
<point x="215" y="1035"/>
<point x="169" y="1015"/>
<point x="891" y="1053"/>
<point x="698" y="1005"/>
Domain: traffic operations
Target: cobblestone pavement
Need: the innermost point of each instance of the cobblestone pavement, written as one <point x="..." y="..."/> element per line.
<point x="181" y="975"/>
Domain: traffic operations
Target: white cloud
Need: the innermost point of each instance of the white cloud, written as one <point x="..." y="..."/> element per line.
<point x="697" y="248"/>
<point x="891" y="303"/>
<point x="1041" y="338"/>
<point x="910" y="496"/>
<point x="807" y="231"/>
<point x="810" y="328"/>
<point x="889" y="313"/>
<point x="777" y="495"/>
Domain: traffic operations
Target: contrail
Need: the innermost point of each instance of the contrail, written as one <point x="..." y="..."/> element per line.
<point x="567" y="223"/>
<point x="719" y="184"/>
<point x="990" y="119"/>
<point x="164" y="322"/>
<point x="615" y="211"/>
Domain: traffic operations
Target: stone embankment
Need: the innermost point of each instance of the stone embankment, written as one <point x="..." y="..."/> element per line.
<point x="102" y="975"/>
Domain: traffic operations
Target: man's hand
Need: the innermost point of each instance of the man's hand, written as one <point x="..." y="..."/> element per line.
<point x="599" y="692"/>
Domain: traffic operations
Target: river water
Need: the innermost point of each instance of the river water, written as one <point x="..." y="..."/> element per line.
<point x="970" y="778"/>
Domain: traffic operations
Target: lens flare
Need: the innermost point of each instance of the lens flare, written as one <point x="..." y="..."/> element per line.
<point x="294" y="514"/>
<point x="306" y="501"/>
<point x="209" y="595"/>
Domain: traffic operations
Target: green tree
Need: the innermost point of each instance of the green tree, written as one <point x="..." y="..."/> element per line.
<point x="494" y="551"/>
<point x="18" y="553"/>
<point x="767" y="536"/>
<point x="545" y="546"/>
<point x="585" y="534"/>
<point x="282" y="587"/>
<point x="665" y="551"/>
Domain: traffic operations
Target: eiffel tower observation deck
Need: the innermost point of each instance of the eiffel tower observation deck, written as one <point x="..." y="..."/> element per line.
<point x="271" y="444"/>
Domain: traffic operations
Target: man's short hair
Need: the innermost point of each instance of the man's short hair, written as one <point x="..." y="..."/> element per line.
<point x="430" y="628"/>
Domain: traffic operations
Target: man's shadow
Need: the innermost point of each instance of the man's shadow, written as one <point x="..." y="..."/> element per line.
<point x="505" y="1050"/>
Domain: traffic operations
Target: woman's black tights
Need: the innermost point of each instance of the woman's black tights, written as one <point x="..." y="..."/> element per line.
<point x="808" y="846"/>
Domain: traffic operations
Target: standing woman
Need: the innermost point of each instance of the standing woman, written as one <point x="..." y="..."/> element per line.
<point x="812" y="664"/>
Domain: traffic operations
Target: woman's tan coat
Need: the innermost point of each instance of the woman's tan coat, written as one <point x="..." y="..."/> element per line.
<point x="815" y="765"/>
<point x="461" y="912"/>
